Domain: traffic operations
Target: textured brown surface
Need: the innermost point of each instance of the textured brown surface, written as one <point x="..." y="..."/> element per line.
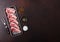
<point x="44" y="21"/>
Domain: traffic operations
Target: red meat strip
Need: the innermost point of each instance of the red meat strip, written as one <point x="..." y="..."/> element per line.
<point x="13" y="29"/>
<point x="10" y="11"/>
<point x="14" y="25"/>
<point x="13" y="20"/>
<point x="12" y="16"/>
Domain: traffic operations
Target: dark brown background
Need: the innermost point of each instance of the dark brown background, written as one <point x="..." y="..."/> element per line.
<point x="44" y="20"/>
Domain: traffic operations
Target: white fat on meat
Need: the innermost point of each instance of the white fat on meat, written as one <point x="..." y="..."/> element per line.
<point x="15" y="31"/>
<point x="13" y="20"/>
<point x="14" y="25"/>
<point x="12" y="16"/>
<point x="10" y="10"/>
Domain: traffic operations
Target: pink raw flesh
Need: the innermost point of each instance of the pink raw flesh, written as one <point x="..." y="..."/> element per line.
<point x="13" y="20"/>
<point x="12" y="16"/>
<point x="14" y="25"/>
<point x="15" y="30"/>
<point x="10" y="11"/>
